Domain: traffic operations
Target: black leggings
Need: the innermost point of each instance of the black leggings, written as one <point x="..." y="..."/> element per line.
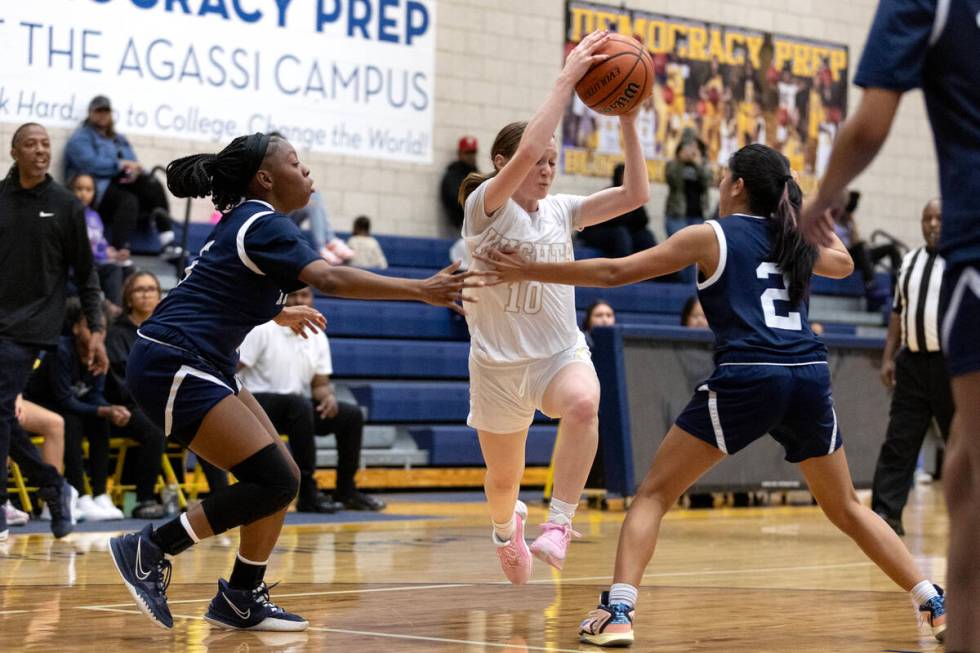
<point x="96" y="431"/>
<point x="147" y="456"/>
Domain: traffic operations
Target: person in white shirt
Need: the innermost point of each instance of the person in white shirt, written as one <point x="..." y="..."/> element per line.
<point x="367" y="250"/>
<point x="526" y="352"/>
<point x="289" y="375"/>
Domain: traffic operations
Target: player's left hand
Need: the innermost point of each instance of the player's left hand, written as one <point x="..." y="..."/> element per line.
<point x="506" y="265"/>
<point x="817" y="224"/>
<point x="301" y="318"/>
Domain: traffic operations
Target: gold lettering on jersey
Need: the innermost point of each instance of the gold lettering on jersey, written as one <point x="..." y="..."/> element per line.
<point x="529" y="250"/>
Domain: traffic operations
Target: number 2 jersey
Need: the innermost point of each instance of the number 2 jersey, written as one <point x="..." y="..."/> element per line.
<point x="747" y="304"/>
<point x="525" y="321"/>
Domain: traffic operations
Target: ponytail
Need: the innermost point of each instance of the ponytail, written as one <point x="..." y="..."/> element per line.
<point x="774" y="194"/>
<point x="225" y="176"/>
<point x="505" y="144"/>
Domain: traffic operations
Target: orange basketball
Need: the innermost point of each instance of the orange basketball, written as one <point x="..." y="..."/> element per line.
<point x="621" y="82"/>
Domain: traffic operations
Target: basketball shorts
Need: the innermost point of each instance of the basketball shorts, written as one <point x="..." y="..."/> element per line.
<point x="961" y="322"/>
<point x="741" y="403"/>
<point x="503" y="398"/>
<point x="174" y="387"/>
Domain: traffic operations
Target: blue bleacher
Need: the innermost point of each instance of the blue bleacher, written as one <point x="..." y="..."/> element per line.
<point x="400" y="359"/>
<point x="459" y="446"/>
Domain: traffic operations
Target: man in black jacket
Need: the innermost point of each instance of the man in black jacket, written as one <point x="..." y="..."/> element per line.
<point x="43" y="243"/>
<point x="453" y="177"/>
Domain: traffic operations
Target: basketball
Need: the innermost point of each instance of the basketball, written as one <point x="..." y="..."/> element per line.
<point x="621" y="82"/>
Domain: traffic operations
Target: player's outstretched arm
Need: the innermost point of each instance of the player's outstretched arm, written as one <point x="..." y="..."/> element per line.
<point x="689" y="246"/>
<point x="442" y="289"/>
<point x="635" y="191"/>
<point x="834" y="261"/>
<point x="541" y="128"/>
<point x="857" y="144"/>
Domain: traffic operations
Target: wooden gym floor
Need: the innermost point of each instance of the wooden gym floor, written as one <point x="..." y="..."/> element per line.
<point x="757" y="579"/>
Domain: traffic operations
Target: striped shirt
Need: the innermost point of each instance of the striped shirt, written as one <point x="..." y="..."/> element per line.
<point x="917" y="299"/>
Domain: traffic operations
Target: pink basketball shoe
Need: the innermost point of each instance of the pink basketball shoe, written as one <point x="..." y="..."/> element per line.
<point x="552" y="545"/>
<point x="515" y="558"/>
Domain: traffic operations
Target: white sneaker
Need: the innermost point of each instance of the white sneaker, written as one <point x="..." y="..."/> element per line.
<point x="105" y="503"/>
<point x="15" y="517"/>
<point x="88" y="510"/>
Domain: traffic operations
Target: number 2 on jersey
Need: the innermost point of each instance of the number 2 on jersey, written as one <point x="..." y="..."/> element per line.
<point x="524" y="296"/>
<point x="790" y="322"/>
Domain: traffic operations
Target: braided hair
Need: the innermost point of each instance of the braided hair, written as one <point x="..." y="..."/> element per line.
<point x="774" y="194"/>
<point x="224" y="176"/>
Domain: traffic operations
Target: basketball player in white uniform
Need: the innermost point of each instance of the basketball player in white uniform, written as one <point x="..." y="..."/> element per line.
<point x="526" y="352"/>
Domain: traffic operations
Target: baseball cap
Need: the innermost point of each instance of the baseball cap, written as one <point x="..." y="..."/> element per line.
<point x="467" y="144"/>
<point x="99" y="102"/>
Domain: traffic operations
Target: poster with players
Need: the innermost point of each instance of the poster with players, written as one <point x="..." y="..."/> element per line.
<point x="726" y="86"/>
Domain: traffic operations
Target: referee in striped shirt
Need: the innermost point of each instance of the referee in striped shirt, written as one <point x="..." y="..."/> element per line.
<point x="917" y="374"/>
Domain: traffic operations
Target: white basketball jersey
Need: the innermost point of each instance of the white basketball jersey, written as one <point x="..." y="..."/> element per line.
<point x="525" y="321"/>
<point x="608" y="135"/>
<point x="646" y="127"/>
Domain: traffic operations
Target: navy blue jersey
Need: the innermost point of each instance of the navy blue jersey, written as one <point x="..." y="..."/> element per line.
<point x="935" y="45"/>
<point x="747" y="304"/>
<point x="250" y="262"/>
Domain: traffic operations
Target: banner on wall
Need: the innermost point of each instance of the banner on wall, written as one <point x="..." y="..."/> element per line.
<point x="727" y="86"/>
<point x="351" y="77"/>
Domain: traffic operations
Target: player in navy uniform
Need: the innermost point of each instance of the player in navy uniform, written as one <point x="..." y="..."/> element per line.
<point x="934" y="44"/>
<point x="771" y="375"/>
<point x="181" y="369"/>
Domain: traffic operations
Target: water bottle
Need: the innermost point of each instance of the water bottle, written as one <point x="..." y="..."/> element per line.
<point x="168" y="496"/>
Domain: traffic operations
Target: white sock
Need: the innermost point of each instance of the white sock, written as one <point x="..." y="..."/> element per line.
<point x="560" y="512"/>
<point x="166" y="237"/>
<point x="503" y="532"/>
<point x="623" y="593"/>
<point x="923" y="592"/>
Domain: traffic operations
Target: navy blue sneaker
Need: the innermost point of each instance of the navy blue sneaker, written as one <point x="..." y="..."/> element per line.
<point x="250" y="610"/>
<point x="59" y="500"/>
<point x="607" y="625"/>
<point x="934" y="613"/>
<point x="146" y="572"/>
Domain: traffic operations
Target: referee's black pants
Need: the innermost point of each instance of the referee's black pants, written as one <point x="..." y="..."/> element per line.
<point x="922" y="392"/>
<point x="294" y="415"/>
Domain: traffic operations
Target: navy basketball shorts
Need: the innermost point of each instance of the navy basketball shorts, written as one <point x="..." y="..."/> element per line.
<point x="741" y="403"/>
<point x="175" y="388"/>
<point x="961" y="324"/>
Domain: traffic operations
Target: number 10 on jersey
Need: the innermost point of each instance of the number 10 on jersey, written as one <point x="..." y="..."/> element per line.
<point x="525" y="296"/>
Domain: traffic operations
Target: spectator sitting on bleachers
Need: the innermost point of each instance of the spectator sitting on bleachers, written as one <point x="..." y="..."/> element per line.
<point x="367" y="250"/>
<point x="865" y="256"/>
<point x="140" y="296"/>
<point x="289" y="375"/>
<point x="598" y="313"/>
<point x="692" y="315"/>
<point x="108" y="260"/>
<point x="623" y="235"/>
<point x="124" y="191"/>
<point x="63" y="383"/>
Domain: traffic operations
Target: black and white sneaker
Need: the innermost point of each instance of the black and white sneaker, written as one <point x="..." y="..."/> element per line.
<point x="146" y="572"/>
<point x="250" y="610"/>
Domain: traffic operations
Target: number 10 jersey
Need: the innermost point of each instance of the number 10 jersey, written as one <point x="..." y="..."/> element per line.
<point x="526" y="321"/>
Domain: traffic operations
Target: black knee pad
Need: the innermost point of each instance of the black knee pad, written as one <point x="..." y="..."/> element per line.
<point x="267" y="483"/>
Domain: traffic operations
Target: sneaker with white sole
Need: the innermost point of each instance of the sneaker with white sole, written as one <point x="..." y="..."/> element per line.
<point x="607" y="625"/>
<point x="14" y="517"/>
<point x="89" y="510"/>
<point x="111" y="511"/>
<point x="250" y="610"/>
<point x="552" y="545"/>
<point x="934" y="613"/>
<point x="146" y="571"/>
<point x="515" y="557"/>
